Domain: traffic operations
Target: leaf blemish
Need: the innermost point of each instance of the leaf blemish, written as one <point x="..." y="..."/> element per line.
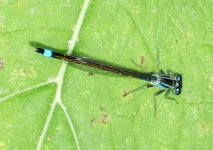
<point x="49" y="139"/>
<point x="90" y="74"/>
<point x="142" y="59"/>
<point x="211" y="83"/>
<point x="102" y="109"/>
<point x="105" y="116"/>
<point x="125" y="93"/>
<point x="22" y="74"/>
<point x="104" y="119"/>
<point x="204" y="128"/>
<point x="133" y="44"/>
<point x="93" y="122"/>
<point x="1" y="64"/>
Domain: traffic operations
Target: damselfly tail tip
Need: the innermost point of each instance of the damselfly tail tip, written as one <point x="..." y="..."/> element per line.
<point x="40" y="50"/>
<point x="44" y="52"/>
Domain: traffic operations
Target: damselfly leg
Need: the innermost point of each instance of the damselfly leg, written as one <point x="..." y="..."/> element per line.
<point x="158" y="61"/>
<point x="141" y="67"/>
<point x="155" y="102"/>
<point x="141" y="87"/>
<point x="170" y="73"/>
<point x="166" y="82"/>
<point x="166" y="95"/>
<point x="170" y="98"/>
<point x="137" y="89"/>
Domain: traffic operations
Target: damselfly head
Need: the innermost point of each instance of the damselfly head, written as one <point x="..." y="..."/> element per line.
<point x="39" y="50"/>
<point x="178" y="77"/>
<point x="178" y="84"/>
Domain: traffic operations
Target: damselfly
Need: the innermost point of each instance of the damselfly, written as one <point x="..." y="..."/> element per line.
<point x="166" y="82"/>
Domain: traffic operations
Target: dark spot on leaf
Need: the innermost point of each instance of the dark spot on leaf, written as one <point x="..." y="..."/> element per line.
<point x="125" y="93"/>
<point x="102" y="109"/>
<point x="90" y="74"/>
<point x="142" y="59"/>
<point x="133" y="44"/>
<point x="104" y="119"/>
<point x="24" y="71"/>
<point x="1" y="64"/>
<point x="204" y="127"/>
<point x="104" y="116"/>
<point x="92" y="122"/>
<point x="186" y="35"/>
<point x="177" y="41"/>
<point x="212" y="83"/>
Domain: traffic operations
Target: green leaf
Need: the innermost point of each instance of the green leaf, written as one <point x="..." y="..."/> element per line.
<point x="45" y="104"/>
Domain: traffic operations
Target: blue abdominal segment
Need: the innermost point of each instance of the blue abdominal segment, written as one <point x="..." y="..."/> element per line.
<point x="47" y="53"/>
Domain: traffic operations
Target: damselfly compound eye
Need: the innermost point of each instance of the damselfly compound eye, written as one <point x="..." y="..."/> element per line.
<point x="178" y="78"/>
<point x="177" y="91"/>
